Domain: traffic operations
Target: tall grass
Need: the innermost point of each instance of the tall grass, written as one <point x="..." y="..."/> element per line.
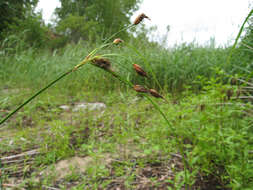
<point x="174" y="68"/>
<point x="205" y="140"/>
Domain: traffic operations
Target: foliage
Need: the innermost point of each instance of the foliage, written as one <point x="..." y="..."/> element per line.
<point x="23" y="27"/>
<point x="11" y="10"/>
<point x="197" y="146"/>
<point x="247" y="41"/>
<point x="76" y="27"/>
<point x="174" y="68"/>
<point x="34" y="32"/>
<point x="243" y="52"/>
<point x="135" y="136"/>
<point x="87" y="20"/>
<point x="90" y="19"/>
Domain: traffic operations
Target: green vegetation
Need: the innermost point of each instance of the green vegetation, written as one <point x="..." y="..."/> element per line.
<point x="205" y="143"/>
<point x="217" y="148"/>
<point x="76" y="20"/>
<point x="11" y="10"/>
<point x="94" y="20"/>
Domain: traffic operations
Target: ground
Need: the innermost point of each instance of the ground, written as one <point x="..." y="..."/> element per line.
<point x="115" y="141"/>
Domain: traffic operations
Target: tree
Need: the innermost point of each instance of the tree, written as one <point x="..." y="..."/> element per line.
<point x="13" y="10"/>
<point x="91" y="18"/>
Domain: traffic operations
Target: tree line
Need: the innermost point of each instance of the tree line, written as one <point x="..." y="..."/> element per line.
<point x="77" y="19"/>
<point x="89" y="20"/>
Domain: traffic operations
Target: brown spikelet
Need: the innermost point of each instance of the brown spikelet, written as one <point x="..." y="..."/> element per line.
<point x="202" y="107"/>
<point x="117" y="41"/>
<point x="233" y="81"/>
<point x="102" y="63"/>
<point x="139" y="70"/>
<point x="230" y="93"/>
<point x="154" y="93"/>
<point x="140" y="18"/>
<point x="238" y="93"/>
<point x="139" y="88"/>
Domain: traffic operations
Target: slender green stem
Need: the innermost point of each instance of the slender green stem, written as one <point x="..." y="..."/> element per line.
<point x="150" y="99"/>
<point x="35" y="95"/>
<point x="101" y="47"/>
<point x="1" y="174"/>
<point x="160" y="111"/>
<point x="179" y="143"/>
<point x="181" y="149"/>
<point x="146" y="64"/>
<point x="88" y="58"/>
<point x="238" y="36"/>
<point x="111" y="55"/>
<point x="125" y="28"/>
<point x="120" y="78"/>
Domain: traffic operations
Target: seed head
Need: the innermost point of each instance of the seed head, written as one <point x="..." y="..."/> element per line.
<point x="140" y="18"/>
<point x="117" y="41"/>
<point x="139" y="88"/>
<point x="230" y="93"/>
<point x="154" y="93"/>
<point x="233" y="81"/>
<point x="102" y="63"/>
<point x="139" y="70"/>
<point x="238" y="93"/>
<point x="202" y="107"/>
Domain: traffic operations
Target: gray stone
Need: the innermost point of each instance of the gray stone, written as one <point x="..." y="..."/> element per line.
<point x="64" y="107"/>
<point x="89" y="106"/>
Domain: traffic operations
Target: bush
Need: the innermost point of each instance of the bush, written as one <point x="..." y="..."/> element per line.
<point x="30" y="32"/>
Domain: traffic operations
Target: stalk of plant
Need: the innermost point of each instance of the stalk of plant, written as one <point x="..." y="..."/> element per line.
<point x="147" y="64"/>
<point x="238" y="36"/>
<point x="137" y="21"/>
<point x="146" y="92"/>
<point x="87" y="59"/>
<point x="102" y="62"/>
<point x="1" y="174"/>
<point x="155" y="94"/>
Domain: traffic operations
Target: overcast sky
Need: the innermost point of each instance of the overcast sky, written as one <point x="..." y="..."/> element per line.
<point x="189" y="20"/>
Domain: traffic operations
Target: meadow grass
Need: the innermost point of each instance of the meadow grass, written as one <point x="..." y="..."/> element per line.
<point x="174" y="68"/>
<point x="216" y="146"/>
<point x="198" y="143"/>
<point x="212" y="141"/>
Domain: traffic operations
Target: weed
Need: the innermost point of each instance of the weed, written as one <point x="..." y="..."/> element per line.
<point x="204" y="143"/>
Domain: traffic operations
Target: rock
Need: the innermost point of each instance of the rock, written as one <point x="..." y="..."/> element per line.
<point x="85" y="106"/>
<point x="89" y="106"/>
<point x="76" y="164"/>
<point x="64" y="107"/>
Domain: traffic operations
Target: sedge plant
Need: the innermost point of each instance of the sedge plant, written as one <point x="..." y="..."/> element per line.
<point x="90" y="57"/>
<point x="102" y="62"/>
<point x="105" y="64"/>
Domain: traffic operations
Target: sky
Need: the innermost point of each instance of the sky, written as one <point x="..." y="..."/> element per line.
<point x="189" y="20"/>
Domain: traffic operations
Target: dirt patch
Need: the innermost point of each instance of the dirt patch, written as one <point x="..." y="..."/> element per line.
<point x="146" y="173"/>
<point x="75" y="164"/>
<point x="66" y="167"/>
<point x="151" y="175"/>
